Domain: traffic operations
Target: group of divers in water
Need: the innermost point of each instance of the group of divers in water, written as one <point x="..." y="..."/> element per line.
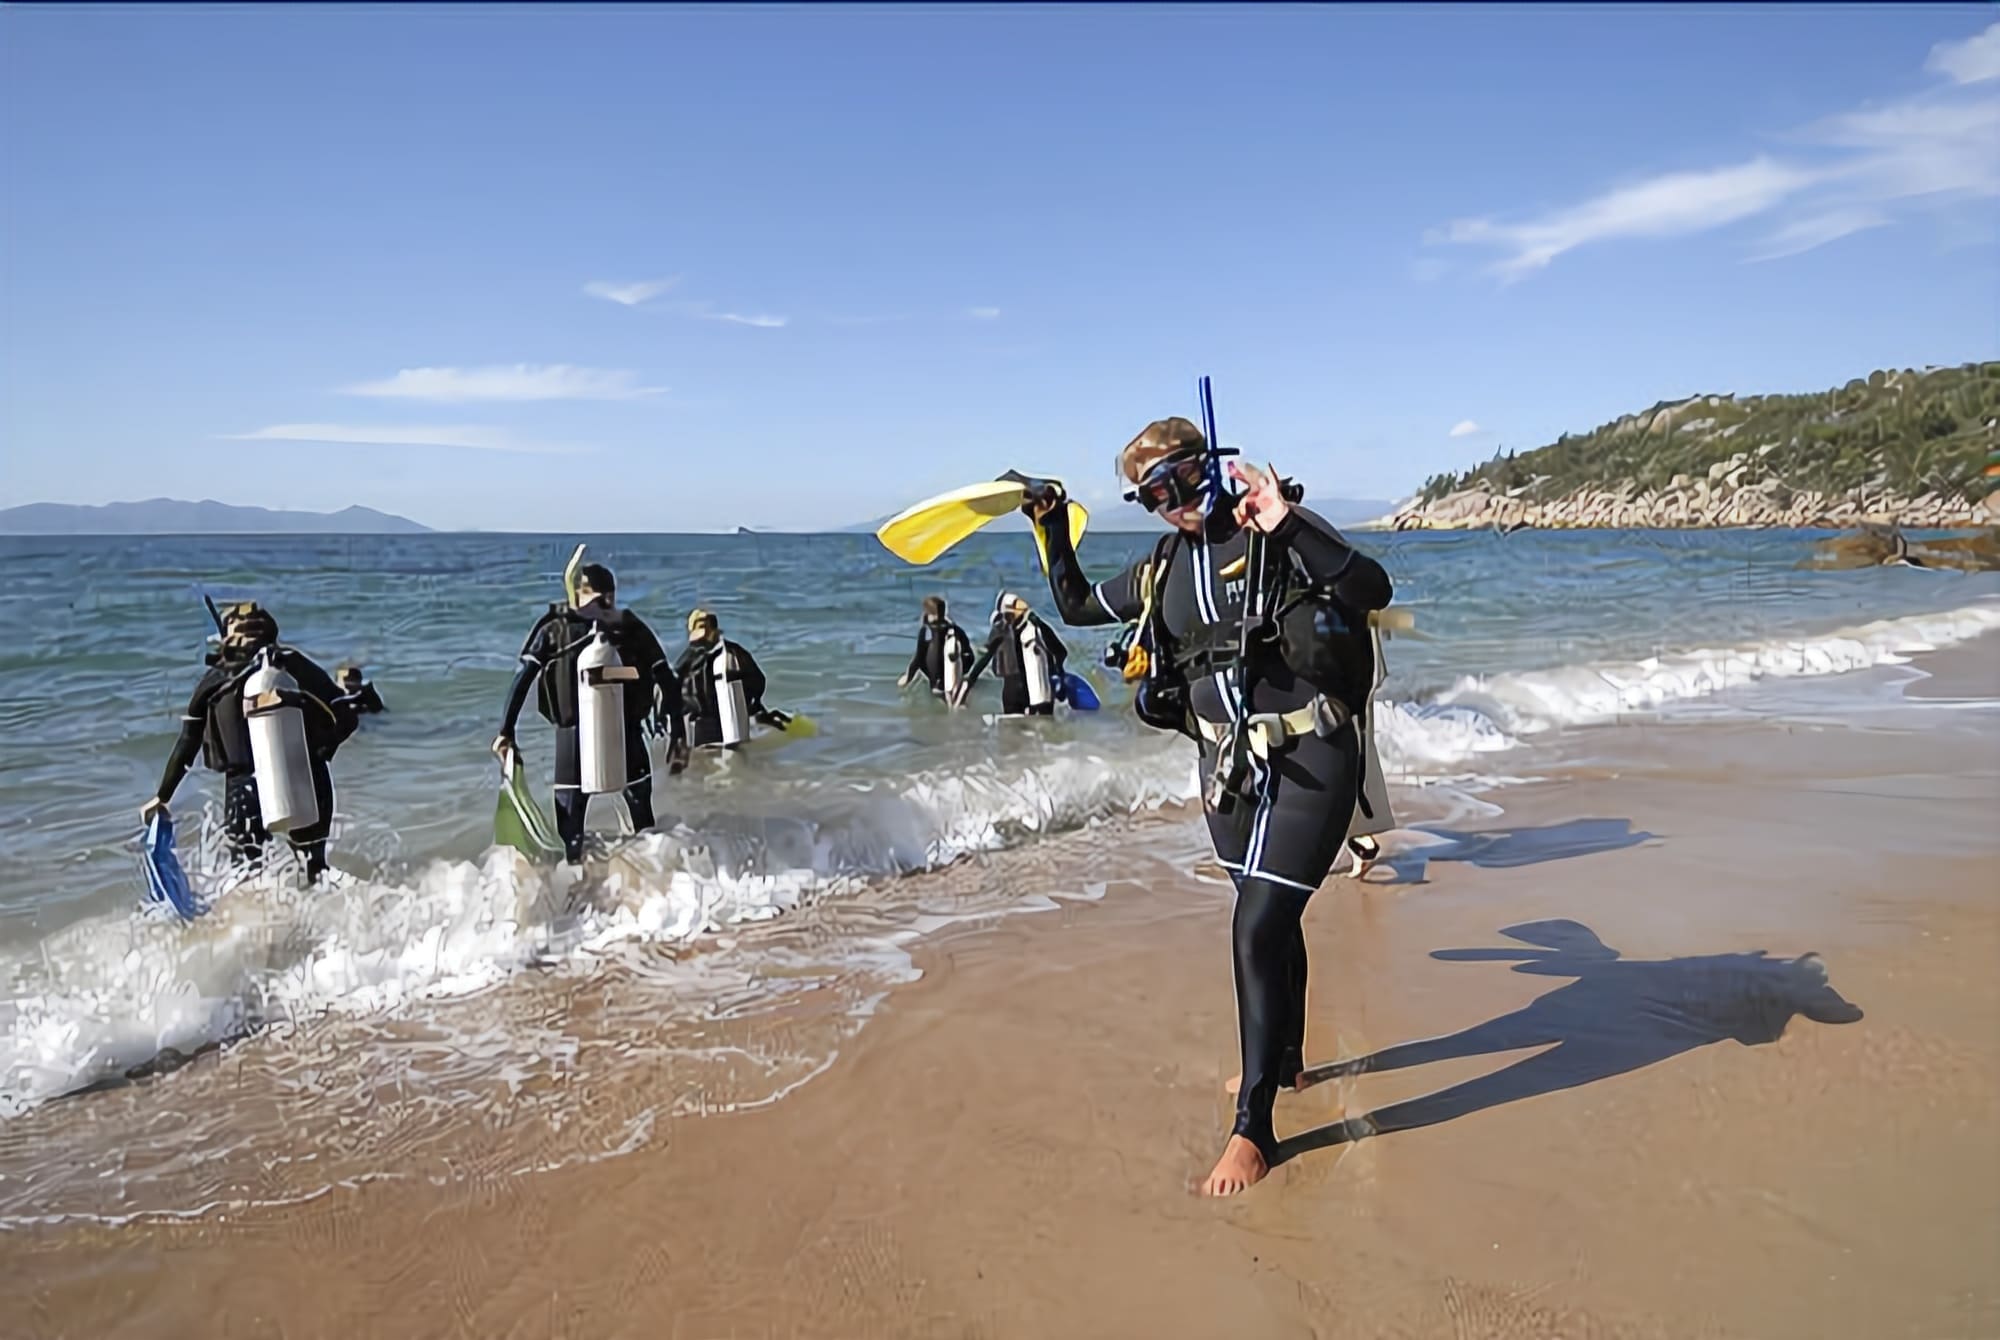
<point x="1251" y="627"/>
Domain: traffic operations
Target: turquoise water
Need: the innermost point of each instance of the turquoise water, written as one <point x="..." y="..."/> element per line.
<point x="1518" y="636"/>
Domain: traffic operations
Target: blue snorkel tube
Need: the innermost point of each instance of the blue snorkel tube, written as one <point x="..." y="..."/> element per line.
<point x="1235" y="761"/>
<point x="1218" y="484"/>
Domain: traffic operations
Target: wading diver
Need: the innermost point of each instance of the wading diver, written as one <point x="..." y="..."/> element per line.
<point x="1030" y="658"/>
<point x="572" y="650"/>
<point x="359" y="695"/>
<point x="943" y="654"/>
<point x="1254" y="640"/>
<point x="722" y="685"/>
<point x="269" y="719"/>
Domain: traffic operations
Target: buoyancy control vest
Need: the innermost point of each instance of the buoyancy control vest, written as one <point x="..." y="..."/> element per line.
<point x="558" y="641"/>
<point x="1309" y="631"/>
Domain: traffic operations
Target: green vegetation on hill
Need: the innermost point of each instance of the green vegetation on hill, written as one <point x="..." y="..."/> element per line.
<point x="1913" y="432"/>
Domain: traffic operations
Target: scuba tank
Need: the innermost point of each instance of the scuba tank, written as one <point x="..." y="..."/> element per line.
<point x="600" y="716"/>
<point x="953" y="666"/>
<point x="1035" y="665"/>
<point x="732" y="713"/>
<point x="279" y="753"/>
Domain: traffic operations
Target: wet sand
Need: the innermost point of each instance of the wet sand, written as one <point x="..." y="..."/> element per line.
<point x="1632" y="1124"/>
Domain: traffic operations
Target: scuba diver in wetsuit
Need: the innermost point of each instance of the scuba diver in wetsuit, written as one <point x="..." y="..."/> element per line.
<point x="214" y="724"/>
<point x="943" y="654"/>
<point x="1029" y="655"/>
<point x="1271" y="702"/>
<point x="359" y="695"/>
<point x="722" y="685"/>
<point x="549" y="659"/>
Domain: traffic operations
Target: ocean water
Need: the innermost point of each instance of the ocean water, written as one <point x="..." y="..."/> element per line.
<point x="794" y="871"/>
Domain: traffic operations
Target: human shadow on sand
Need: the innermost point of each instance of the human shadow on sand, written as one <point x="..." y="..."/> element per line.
<point x="1617" y="1016"/>
<point x="1502" y="848"/>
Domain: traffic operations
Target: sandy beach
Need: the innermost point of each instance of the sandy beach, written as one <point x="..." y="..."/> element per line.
<point x="1630" y="1111"/>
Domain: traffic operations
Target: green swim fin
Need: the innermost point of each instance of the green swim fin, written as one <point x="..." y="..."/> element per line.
<point x="518" y="822"/>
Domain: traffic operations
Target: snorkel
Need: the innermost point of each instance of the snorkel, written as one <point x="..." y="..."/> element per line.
<point x="1219" y="491"/>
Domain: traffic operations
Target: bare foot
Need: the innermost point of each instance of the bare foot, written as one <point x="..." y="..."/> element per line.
<point x="1240" y="1168"/>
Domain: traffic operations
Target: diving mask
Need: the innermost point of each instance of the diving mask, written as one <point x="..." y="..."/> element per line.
<point x="1172" y="483"/>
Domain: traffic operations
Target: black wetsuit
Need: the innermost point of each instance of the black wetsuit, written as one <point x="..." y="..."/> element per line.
<point x="213" y="725"/>
<point x="696" y="669"/>
<point x="936" y="642"/>
<point x="1280" y="845"/>
<point x="1003" y="649"/>
<point x="549" y="657"/>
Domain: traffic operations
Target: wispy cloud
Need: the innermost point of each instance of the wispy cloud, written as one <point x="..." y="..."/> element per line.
<point x="983" y="313"/>
<point x="473" y="438"/>
<point x="1464" y="428"/>
<point x="517" y="381"/>
<point x="761" y="322"/>
<point x="629" y="293"/>
<point x="1672" y="205"/>
<point x="1816" y="230"/>
<point x="1970" y="61"/>
<point x="1866" y="168"/>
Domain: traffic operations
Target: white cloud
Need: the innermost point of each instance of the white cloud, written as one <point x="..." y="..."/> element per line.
<point x="629" y="293"/>
<point x="1666" y="206"/>
<point x="759" y="321"/>
<point x="1866" y="168"/>
<point x="983" y="313"/>
<point x="381" y="435"/>
<point x="517" y="381"/>
<point x="1970" y="61"/>
<point x="1816" y="230"/>
<point x="1464" y="428"/>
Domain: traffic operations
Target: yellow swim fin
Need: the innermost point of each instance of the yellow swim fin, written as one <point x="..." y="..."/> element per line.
<point x="569" y="574"/>
<point x="918" y="534"/>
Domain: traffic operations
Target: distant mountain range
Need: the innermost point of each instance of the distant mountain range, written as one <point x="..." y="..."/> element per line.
<point x="171" y="516"/>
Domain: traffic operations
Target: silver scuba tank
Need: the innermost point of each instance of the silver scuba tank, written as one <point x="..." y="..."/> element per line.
<point x="279" y="752"/>
<point x="951" y="666"/>
<point x="732" y="711"/>
<point x="1035" y="662"/>
<point x="600" y="716"/>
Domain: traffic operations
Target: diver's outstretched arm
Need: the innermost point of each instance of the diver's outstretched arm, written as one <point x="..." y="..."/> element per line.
<point x="1081" y="604"/>
<point x="1358" y="581"/>
<point x="985" y="659"/>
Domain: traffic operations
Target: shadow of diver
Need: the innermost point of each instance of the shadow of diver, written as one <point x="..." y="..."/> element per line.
<point x="1617" y="1016"/>
<point x="1504" y="848"/>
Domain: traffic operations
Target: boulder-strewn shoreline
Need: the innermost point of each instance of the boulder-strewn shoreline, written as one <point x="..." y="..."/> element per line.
<point x="1736" y="492"/>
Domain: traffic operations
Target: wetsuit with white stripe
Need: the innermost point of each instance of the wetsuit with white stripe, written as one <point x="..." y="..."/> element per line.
<point x="1295" y="830"/>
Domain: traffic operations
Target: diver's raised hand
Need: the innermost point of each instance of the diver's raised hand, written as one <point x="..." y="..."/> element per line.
<point x="150" y="808"/>
<point x="1263" y="504"/>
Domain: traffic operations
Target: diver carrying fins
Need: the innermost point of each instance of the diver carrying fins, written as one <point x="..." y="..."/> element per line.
<point x="269" y="719"/>
<point x="1253" y="637"/>
<point x="599" y="677"/>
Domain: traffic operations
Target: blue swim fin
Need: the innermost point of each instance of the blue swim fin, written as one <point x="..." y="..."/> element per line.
<point x="166" y="882"/>
<point x="1082" y="697"/>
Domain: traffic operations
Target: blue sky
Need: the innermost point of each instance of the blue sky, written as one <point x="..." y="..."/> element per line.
<point x="653" y="269"/>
